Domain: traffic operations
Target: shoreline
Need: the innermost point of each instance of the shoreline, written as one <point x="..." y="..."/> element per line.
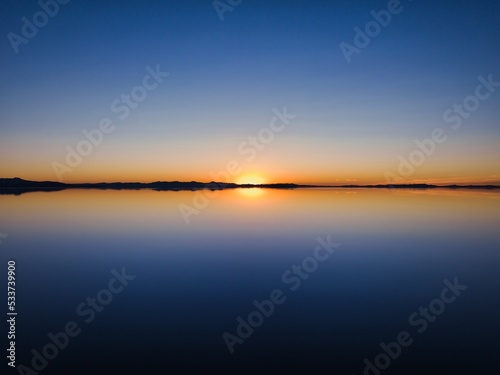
<point x="18" y="186"/>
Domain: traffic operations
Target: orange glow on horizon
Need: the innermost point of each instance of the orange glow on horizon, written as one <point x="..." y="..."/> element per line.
<point x="101" y="176"/>
<point x="252" y="179"/>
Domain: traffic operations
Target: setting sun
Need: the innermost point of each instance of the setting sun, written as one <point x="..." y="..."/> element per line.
<point x="251" y="179"/>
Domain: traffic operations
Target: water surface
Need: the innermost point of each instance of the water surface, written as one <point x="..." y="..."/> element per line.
<point x="194" y="280"/>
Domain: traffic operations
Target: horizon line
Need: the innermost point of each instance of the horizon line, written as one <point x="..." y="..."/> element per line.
<point x="222" y="183"/>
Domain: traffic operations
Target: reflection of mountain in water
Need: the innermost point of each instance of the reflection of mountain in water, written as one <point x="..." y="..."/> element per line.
<point x="17" y="186"/>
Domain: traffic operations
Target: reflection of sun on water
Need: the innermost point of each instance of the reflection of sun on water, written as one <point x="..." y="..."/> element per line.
<point x="251" y="192"/>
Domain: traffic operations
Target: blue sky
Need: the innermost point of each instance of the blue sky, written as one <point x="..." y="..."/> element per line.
<point x="227" y="77"/>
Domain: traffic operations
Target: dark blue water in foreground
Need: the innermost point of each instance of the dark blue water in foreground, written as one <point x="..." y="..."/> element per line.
<point x="192" y="281"/>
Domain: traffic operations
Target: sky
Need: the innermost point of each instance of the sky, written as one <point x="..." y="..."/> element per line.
<point x="258" y="91"/>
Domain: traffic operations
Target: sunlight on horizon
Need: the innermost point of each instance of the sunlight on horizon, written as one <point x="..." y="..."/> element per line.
<point x="251" y="179"/>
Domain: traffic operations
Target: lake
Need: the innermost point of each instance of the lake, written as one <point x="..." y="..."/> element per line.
<point x="339" y="281"/>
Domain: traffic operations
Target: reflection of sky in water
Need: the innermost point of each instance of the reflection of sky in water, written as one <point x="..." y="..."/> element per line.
<point x="194" y="280"/>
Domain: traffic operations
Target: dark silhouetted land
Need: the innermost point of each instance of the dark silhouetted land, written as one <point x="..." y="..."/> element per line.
<point x="18" y="186"/>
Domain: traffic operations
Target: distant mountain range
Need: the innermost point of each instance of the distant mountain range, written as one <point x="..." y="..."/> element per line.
<point x="18" y="186"/>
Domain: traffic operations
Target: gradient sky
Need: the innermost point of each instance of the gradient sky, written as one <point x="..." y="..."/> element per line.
<point x="353" y="122"/>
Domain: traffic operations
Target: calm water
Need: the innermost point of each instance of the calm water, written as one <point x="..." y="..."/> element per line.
<point x="192" y="281"/>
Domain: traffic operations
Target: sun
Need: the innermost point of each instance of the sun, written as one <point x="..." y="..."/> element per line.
<point x="251" y="179"/>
